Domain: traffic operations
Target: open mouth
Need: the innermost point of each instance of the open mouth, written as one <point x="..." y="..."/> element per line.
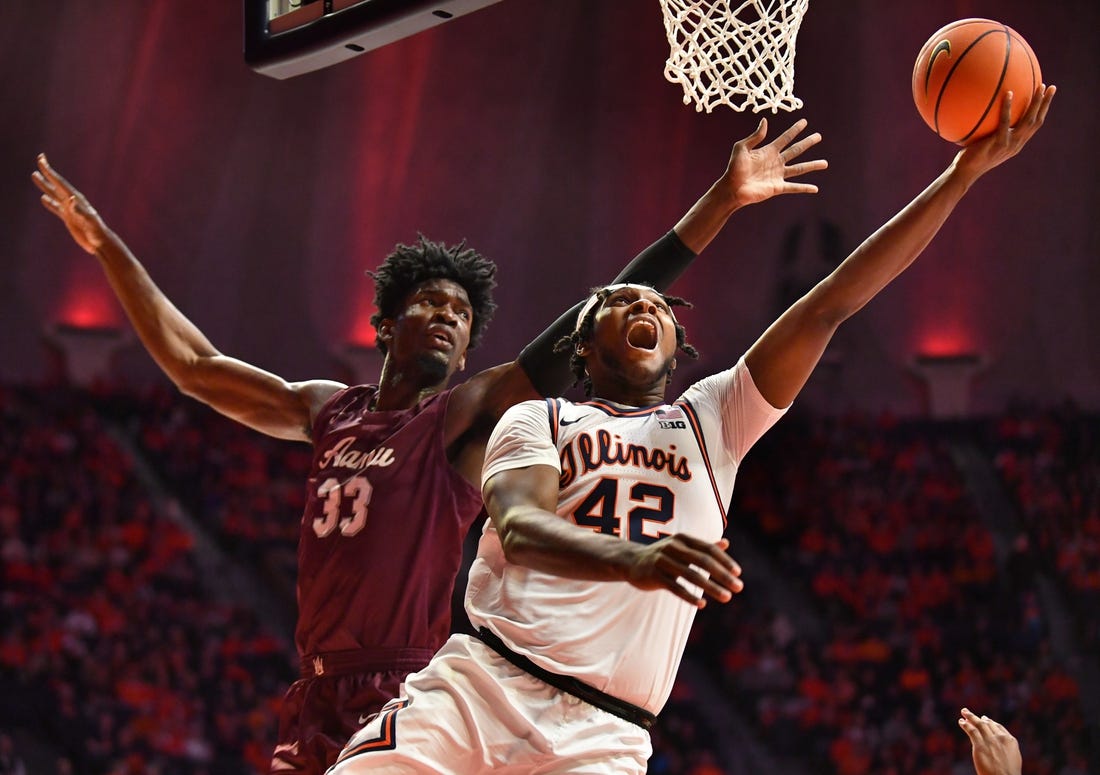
<point x="642" y="334"/>
<point x="440" y="340"/>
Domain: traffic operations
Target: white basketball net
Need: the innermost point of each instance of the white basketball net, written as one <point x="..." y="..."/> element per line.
<point x="735" y="54"/>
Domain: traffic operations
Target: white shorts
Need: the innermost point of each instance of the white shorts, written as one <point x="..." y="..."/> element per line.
<point x="471" y="711"/>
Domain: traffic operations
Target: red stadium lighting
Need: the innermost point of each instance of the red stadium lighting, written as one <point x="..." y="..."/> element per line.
<point x="364" y="362"/>
<point x="362" y="332"/>
<point x="945" y="344"/>
<point x="88" y="309"/>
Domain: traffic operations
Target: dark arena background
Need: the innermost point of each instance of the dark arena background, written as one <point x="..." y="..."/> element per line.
<point x="921" y="533"/>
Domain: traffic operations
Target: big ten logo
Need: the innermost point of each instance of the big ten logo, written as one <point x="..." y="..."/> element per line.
<point x="672" y="424"/>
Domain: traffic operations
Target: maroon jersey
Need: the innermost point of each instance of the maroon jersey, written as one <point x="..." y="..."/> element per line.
<point x="381" y="537"/>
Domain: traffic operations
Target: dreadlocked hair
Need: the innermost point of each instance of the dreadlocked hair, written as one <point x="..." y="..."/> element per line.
<point x="409" y="265"/>
<point x="583" y="332"/>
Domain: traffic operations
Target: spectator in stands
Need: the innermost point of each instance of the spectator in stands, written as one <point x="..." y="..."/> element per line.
<point x="10" y="761"/>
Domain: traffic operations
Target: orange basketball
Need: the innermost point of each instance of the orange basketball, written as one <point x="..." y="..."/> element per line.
<point x="962" y="73"/>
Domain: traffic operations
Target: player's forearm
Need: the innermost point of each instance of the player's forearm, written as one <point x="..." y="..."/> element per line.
<point x="171" y="339"/>
<point x="660" y="264"/>
<point x="249" y="395"/>
<point x="889" y="250"/>
<point x="539" y="539"/>
<point x="708" y="216"/>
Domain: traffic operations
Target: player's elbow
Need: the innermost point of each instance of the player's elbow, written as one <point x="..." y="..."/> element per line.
<point x="512" y="540"/>
<point x="826" y="306"/>
<point x="516" y="540"/>
<point x="513" y="550"/>
<point x="191" y="378"/>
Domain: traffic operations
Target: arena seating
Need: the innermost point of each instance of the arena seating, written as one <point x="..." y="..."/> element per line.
<point x="116" y="650"/>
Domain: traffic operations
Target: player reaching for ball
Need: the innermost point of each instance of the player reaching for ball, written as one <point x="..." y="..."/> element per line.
<point x="393" y="486"/>
<point x="963" y="72"/>
<point x="568" y="672"/>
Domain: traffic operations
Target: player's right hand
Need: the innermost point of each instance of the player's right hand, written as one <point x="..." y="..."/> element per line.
<point x="68" y="204"/>
<point x="996" y="751"/>
<point x="979" y="157"/>
<point x="757" y="172"/>
<point x="662" y="565"/>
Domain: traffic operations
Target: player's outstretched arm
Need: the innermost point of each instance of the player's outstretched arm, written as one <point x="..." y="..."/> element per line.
<point x="238" y="390"/>
<point x="521" y="504"/>
<point x="783" y="358"/>
<point x="756" y="171"/>
<point x="996" y="751"/>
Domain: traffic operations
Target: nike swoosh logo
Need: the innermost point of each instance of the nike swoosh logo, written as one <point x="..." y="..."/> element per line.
<point x="569" y="422"/>
<point x="943" y="47"/>
<point x="364" y="719"/>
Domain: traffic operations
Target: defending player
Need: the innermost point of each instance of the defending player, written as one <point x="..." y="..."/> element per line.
<point x="567" y="675"/>
<point x="393" y="486"/>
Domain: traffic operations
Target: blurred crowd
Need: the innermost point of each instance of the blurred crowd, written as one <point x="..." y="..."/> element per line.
<point x="117" y="649"/>
<point x="113" y="648"/>
<point x="870" y="521"/>
<point x="1050" y="463"/>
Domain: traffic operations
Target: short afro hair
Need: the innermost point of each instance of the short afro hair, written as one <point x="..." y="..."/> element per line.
<point x="409" y="265"/>
<point x="582" y="332"/>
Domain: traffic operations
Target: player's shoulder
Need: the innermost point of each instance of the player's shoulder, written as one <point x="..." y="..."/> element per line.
<point x="535" y="416"/>
<point x="316" y="393"/>
<point x="533" y="408"/>
<point x="719" y="382"/>
<point x="490" y="392"/>
<point x="329" y="399"/>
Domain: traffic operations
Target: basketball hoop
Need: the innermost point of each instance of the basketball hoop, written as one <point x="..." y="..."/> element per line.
<point x="736" y="54"/>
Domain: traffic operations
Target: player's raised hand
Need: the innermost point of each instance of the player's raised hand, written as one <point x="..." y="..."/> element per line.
<point x="661" y="565"/>
<point x="985" y="154"/>
<point x="996" y="751"/>
<point x="757" y="172"/>
<point x="68" y="204"/>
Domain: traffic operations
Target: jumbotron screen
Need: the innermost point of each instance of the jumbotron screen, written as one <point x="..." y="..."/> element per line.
<point x="284" y="38"/>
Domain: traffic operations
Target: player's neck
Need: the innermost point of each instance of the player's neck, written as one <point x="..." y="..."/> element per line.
<point x="403" y="390"/>
<point x="631" y="395"/>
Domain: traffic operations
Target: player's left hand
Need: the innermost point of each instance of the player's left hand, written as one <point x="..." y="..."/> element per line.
<point x="983" y="155"/>
<point x="757" y="172"/>
<point x="667" y="563"/>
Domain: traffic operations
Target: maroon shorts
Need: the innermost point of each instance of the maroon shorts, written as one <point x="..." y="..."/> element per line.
<point x="329" y="704"/>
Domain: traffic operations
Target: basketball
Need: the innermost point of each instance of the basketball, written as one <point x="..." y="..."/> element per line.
<point x="963" y="72"/>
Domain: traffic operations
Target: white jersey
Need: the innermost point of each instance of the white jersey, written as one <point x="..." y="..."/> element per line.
<point x="641" y="474"/>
